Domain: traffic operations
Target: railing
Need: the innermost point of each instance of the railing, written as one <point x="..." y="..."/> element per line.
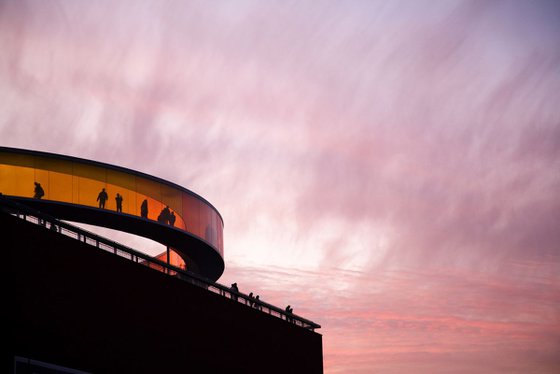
<point x="31" y="215"/>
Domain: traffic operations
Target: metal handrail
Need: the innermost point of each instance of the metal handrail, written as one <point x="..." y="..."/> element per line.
<point x="39" y="218"/>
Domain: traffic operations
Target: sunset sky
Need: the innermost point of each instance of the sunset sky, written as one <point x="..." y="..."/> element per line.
<point x="391" y="169"/>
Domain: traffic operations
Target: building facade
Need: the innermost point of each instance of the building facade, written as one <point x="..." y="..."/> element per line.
<point x="84" y="303"/>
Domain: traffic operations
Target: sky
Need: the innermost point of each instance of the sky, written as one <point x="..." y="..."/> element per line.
<point x="391" y="169"/>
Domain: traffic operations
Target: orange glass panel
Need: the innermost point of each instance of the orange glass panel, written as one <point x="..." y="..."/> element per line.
<point x="90" y="172"/>
<point x="7" y="179"/>
<point x="71" y="181"/>
<point x="60" y="187"/>
<point x="124" y="185"/>
<point x="75" y="189"/>
<point x="59" y="178"/>
<point x="149" y="190"/>
<point x="88" y="191"/>
<point x="174" y="259"/>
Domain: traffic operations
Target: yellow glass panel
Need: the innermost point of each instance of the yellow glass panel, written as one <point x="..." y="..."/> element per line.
<point x="7" y="179"/>
<point x="60" y="187"/>
<point x="17" y="181"/>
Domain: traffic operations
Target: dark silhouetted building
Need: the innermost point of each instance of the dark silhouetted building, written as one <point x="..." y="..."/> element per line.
<point x="81" y="303"/>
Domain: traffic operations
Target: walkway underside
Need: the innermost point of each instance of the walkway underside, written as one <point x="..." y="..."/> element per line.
<point x="199" y="256"/>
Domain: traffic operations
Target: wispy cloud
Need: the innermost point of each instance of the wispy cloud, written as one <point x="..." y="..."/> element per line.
<point x="390" y="169"/>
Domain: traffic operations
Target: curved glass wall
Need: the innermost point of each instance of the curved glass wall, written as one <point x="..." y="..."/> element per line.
<point x="78" y="182"/>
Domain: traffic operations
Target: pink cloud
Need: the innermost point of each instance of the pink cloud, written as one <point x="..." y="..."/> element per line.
<point x="389" y="169"/>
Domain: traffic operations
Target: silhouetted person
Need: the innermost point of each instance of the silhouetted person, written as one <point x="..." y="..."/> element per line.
<point x="39" y="192"/>
<point x="257" y="304"/>
<point x="289" y="311"/>
<point x="235" y="289"/>
<point x="251" y="301"/>
<point x="144" y="209"/>
<point x="161" y="216"/>
<point x="119" y="200"/>
<point x="165" y="216"/>
<point x="172" y="219"/>
<point x="102" y="197"/>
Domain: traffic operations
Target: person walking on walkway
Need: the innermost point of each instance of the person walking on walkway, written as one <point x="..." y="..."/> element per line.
<point x="257" y="304"/>
<point x="102" y="197"/>
<point x="235" y="290"/>
<point x="119" y="200"/>
<point x="39" y="192"/>
<point x="144" y="209"/>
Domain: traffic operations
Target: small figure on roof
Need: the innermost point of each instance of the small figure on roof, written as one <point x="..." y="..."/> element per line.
<point x="289" y="311"/>
<point x="257" y="304"/>
<point x="235" y="289"/>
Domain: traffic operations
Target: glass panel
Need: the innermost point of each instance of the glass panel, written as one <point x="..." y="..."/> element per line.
<point x="90" y="172"/>
<point x="125" y="186"/>
<point x="16" y="159"/>
<point x="191" y="214"/>
<point x="70" y="181"/>
<point x="60" y="187"/>
<point x="59" y="166"/>
<point x="8" y="180"/>
<point x="89" y="190"/>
